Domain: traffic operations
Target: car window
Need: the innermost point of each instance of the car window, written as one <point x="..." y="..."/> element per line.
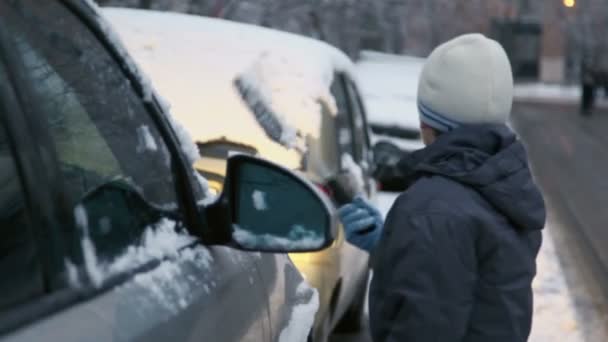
<point x="107" y="146"/>
<point x="360" y="135"/>
<point x="344" y="128"/>
<point x="19" y="262"/>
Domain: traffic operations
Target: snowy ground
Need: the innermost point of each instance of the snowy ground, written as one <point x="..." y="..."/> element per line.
<point x="555" y="314"/>
<point x="552" y="93"/>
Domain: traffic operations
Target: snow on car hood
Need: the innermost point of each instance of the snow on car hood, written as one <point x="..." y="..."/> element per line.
<point x="389" y="84"/>
<point x="194" y="61"/>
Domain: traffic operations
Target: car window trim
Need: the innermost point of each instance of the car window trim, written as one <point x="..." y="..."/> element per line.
<point x="359" y="102"/>
<point x="339" y="80"/>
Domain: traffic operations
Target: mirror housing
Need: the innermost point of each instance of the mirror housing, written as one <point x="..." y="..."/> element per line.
<point x="265" y="207"/>
<point x="387" y="170"/>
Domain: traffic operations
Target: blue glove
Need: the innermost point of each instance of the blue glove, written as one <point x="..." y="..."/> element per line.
<point x="362" y="223"/>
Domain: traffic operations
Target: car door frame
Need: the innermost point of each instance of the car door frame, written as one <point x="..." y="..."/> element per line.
<point x="356" y="99"/>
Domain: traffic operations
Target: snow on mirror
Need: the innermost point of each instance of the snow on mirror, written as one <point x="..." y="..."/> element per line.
<point x="274" y="211"/>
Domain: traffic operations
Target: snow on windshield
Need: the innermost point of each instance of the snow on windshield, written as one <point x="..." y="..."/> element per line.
<point x="302" y="315"/>
<point x="389" y="86"/>
<point x="298" y="238"/>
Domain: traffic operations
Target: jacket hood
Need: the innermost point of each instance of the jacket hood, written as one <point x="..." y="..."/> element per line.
<point x="491" y="160"/>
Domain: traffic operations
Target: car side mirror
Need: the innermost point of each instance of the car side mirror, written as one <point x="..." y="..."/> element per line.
<point x="265" y="207"/>
<point x="387" y="172"/>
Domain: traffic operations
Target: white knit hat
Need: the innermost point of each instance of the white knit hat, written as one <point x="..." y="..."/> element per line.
<point x="467" y="80"/>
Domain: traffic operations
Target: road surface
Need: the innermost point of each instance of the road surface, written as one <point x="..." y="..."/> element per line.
<point x="569" y="157"/>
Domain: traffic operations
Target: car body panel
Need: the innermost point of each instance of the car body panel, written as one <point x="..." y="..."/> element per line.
<point x="179" y="300"/>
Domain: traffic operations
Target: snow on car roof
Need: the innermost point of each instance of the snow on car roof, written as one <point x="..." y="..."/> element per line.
<point x="389" y="85"/>
<point x="193" y="62"/>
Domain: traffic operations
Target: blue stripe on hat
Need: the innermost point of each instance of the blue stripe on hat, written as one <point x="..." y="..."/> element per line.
<point x="435" y="119"/>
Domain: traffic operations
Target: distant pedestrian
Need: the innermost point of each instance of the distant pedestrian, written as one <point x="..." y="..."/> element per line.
<point x="587" y="88"/>
<point x="456" y="257"/>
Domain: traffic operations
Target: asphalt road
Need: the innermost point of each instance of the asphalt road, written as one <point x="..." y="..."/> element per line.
<point x="569" y="156"/>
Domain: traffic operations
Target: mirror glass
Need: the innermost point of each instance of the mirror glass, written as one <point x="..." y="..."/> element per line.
<point x="274" y="211"/>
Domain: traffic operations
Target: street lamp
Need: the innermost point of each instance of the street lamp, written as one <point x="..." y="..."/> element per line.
<point x="570" y="3"/>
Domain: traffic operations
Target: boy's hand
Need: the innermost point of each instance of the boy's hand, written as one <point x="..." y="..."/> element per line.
<point x="362" y="223"/>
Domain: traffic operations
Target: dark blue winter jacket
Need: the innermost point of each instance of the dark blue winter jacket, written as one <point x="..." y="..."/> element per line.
<point x="457" y="256"/>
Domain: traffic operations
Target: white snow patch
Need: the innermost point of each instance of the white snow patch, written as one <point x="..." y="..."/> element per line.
<point x="348" y="163"/>
<point x="161" y="282"/>
<point x="81" y="217"/>
<point x="302" y="316"/>
<point x="73" y="278"/>
<point x="145" y="140"/>
<point x="555" y="317"/>
<point x="157" y="242"/>
<point x="91" y="264"/>
<point x="298" y="238"/>
<point x="259" y="200"/>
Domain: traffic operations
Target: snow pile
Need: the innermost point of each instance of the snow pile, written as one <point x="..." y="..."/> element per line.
<point x="302" y="316"/>
<point x="157" y="242"/>
<point x="298" y="238"/>
<point x="389" y="86"/>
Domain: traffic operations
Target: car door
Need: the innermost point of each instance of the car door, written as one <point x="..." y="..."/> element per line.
<point x="100" y="250"/>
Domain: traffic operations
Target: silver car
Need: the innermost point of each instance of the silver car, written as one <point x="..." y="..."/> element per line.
<point x="107" y="232"/>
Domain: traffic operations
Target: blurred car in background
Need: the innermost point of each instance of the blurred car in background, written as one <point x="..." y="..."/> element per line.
<point x="389" y="84"/>
<point x="108" y="233"/>
<point x="287" y="98"/>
